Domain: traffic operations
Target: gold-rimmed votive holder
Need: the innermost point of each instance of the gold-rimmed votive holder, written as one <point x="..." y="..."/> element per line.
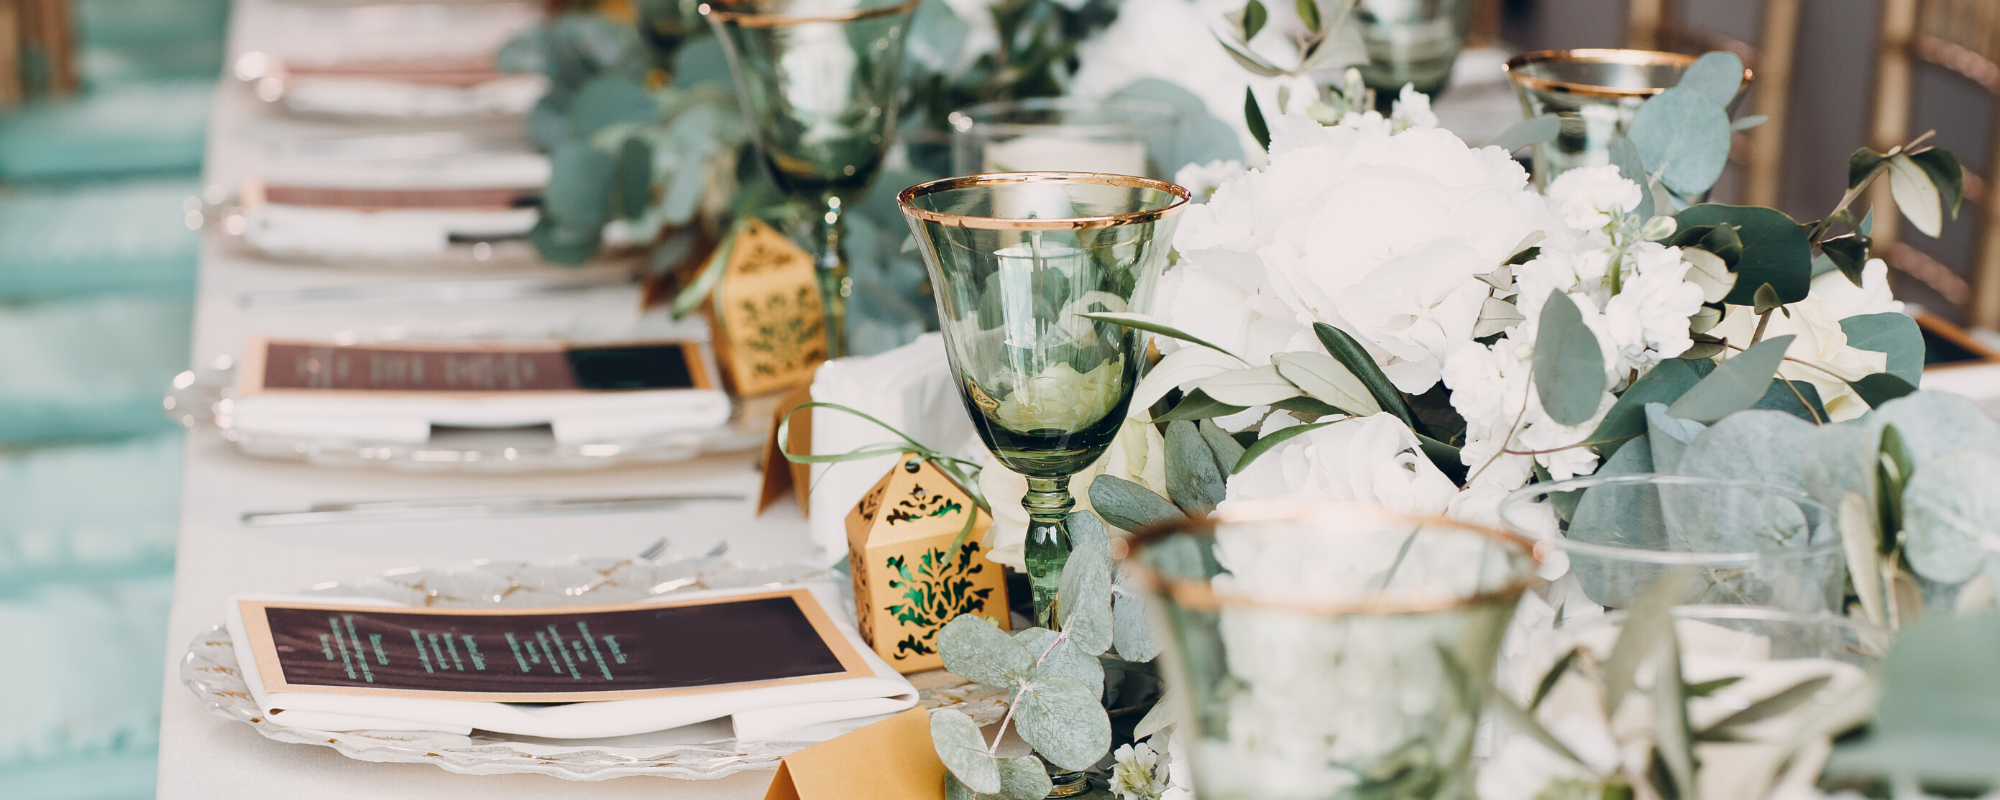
<point x="1594" y="93"/>
<point x="1322" y="650"/>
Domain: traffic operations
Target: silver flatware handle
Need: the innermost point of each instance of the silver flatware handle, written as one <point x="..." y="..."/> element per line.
<point x="476" y="507"/>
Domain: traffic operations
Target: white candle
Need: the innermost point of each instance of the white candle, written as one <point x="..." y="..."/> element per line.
<point x="1019" y="268"/>
<point x="1060" y="154"/>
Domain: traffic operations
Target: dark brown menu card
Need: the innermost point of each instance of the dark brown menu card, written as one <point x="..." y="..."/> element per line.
<point x="550" y="655"/>
<point x="468" y="368"/>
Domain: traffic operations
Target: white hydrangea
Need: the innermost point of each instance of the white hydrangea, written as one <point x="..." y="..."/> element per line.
<point x="1589" y="198"/>
<point x="1201" y="180"/>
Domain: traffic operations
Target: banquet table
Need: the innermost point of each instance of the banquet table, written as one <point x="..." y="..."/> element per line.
<point x="205" y="756"/>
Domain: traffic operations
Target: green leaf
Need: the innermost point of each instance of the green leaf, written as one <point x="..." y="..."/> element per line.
<point x="1024" y="778"/>
<point x="1797" y="398"/>
<point x="1225" y="449"/>
<point x="1086" y="529"/>
<point x="1946" y="174"/>
<point x="1746" y="123"/>
<point x="1672" y="739"/>
<point x="1533" y="130"/>
<point x="633" y="190"/>
<point x="1765" y="300"/>
<point x="1154" y="325"/>
<point x="1309" y="14"/>
<point x="963" y="750"/>
<point x="1849" y="254"/>
<point x="1066" y="658"/>
<point x="1525" y="722"/>
<point x="978" y="651"/>
<point x="1648" y="620"/>
<point x="1445" y="457"/>
<point x="1775" y="250"/>
<point x="1064" y="721"/>
<point x="1355" y="357"/>
<point x="1157" y="719"/>
<point x="1949" y="505"/>
<point x="1198" y="405"/>
<point x="1632" y="167"/>
<point x="1665" y="383"/>
<point x="1684" y="138"/>
<point x="1668" y="437"/>
<point x="1131" y="627"/>
<point x="1862" y="164"/>
<point x="1706" y="688"/>
<point x="1193" y="481"/>
<point x="1935" y="423"/>
<point x="579" y="190"/>
<point x="607" y="100"/>
<point x="1324" y="378"/>
<point x="1716" y="75"/>
<point x="1552" y="677"/>
<point x="1892" y="333"/>
<point x="1915" y="195"/>
<point x="1254" y="116"/>
<point x="1254" y="17"/>
<point x="1084" y="605"/>
<point x="1183" y="365"/>
<point x="568" y="245"/>
<point x="1302" y="405"/>
<point x="1250" y="386"/>
<point x="1771" y="706"/>
<point x="1861" y="542"/>
<point x="1569" y="367"/>
<point x="1129" y="506"/>
<point x="1880" y="388"/>
<point x="1736" y="384"/>
<point x="1264" y="445"/>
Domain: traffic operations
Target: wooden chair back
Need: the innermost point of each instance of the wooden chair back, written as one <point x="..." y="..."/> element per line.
<point x="37" y="50"/>
<point x="1655" y="25"/>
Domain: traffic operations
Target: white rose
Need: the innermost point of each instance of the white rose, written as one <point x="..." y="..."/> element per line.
<point x="1138" y="454"/>
<point x="1842" y="299"/>
<point x="1373" y="460"/>
<point x="1819" y="355"/>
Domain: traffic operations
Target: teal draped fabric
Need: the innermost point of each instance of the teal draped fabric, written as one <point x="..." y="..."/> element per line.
<point x="89" y="367"/>
<point x="125" y="236"/>
<point x="151" y="127"/>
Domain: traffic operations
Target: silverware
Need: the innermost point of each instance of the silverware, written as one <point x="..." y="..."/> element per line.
<point x="447" y="291"/>
<point x="654" y="550"/>
<point x="477" y="507"/>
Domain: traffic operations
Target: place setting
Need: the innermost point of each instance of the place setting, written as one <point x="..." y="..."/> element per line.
<point x="1024" y="399"/>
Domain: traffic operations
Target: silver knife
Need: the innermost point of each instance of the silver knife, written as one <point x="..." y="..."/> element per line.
<point x="476" y="507"/>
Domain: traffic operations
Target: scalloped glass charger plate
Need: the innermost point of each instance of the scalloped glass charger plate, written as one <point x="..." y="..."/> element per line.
<point x="704" y="751"/>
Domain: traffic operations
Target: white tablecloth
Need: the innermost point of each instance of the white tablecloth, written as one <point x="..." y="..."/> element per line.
<point x="206" y="757"/>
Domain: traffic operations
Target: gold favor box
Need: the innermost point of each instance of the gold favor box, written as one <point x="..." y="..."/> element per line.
<point x="769" y="328"/>
<point x="906" y="583"/>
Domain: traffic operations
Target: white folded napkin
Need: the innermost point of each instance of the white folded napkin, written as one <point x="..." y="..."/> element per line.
<point x="575" y="417"/>
<point x="474" y="170"/>
<point x="756" y="713"/>
<point x="371" y="97"/>
<point x="911" y="388"/>
<point x="286" y="230"/>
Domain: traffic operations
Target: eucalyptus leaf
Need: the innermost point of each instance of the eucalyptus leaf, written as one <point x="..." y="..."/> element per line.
<point x="1495" y="317"/>
<point x="1063" y="657"/>
<point x="1840" y="459"/>
<point x="1199" y="138"/>
<point x="1775" y="250"/>
<point x="1226" y="450"/>
<point x="1131" y="625"/>
<point x="1086" y="529"/>
<point x="1129" y="506"/>
<point x="1716" y="75"/>
<point x="568" y="245"/>
<point x="1665" y="383"/>
<point x="1934" y="423"/>
<point x="1533" y="130"/>
<point x="1193" y="481"/>
<point x="608" y="100"/>
<point x="1750" y="446"/>
<point x="963" y="750"/>
<point x="1949" y="508"/>
<point x="1620" y="515"/>
<point x="1253" y="386"/>
<point x="1797" y="398"/>
<point x="978" y="651"/>
<point x="1198" y="405"/>
<point x="1182" y="366"/>
<point x="1849" y="254"/>
<point x="1568" y="365"/>
<point x="1765" y="300"/>
<point x="1881" y="388"/>
<point x="1669" y="437"/>
<point x="579" y="189"/>
<point x="1915" y="195"/>
<point x="1672" y="737"/>
<point x="1861" y="164"/>
<point x="1632" y="167"/>
<point x="1352" y="355"/>
<point x="634" y="182"/>
<point x="1684" y="137"/>
<point x="1324" y="378"/>
<point x="1084" y="606"/>
<point x="1861" y="542"/>
<point x="1893" y="333"/>
<point x="1746" y="123"/>
<point x="1064" y="721"/>
<point x="1024" y="778"/>
<point x="1266" y="443"/>
<point x="1736" y="384"/>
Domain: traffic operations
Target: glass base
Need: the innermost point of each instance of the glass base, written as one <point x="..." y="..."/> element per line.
<point x="1066" y="783"/>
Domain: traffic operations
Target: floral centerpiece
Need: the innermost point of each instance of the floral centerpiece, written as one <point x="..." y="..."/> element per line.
<point x="1384" y="314"/>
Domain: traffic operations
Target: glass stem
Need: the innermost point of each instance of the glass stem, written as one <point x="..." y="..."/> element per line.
<point x="1048" y="501"/>
<point x="834" y="283"/>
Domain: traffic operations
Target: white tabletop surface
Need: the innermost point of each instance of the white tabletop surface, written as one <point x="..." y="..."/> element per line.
<point x="204" y="756"/>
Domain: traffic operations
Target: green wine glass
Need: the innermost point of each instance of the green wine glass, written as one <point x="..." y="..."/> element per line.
<point x="1016" y="260"/>
<point x="817" y="82"/>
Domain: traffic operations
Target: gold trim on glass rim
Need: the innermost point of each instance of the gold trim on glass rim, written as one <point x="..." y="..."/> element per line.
<point x="907" y="196"/>
<point x="1202" y="595"/>
<point x="1642" y="58"/>
<point x="747" y="19"/>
